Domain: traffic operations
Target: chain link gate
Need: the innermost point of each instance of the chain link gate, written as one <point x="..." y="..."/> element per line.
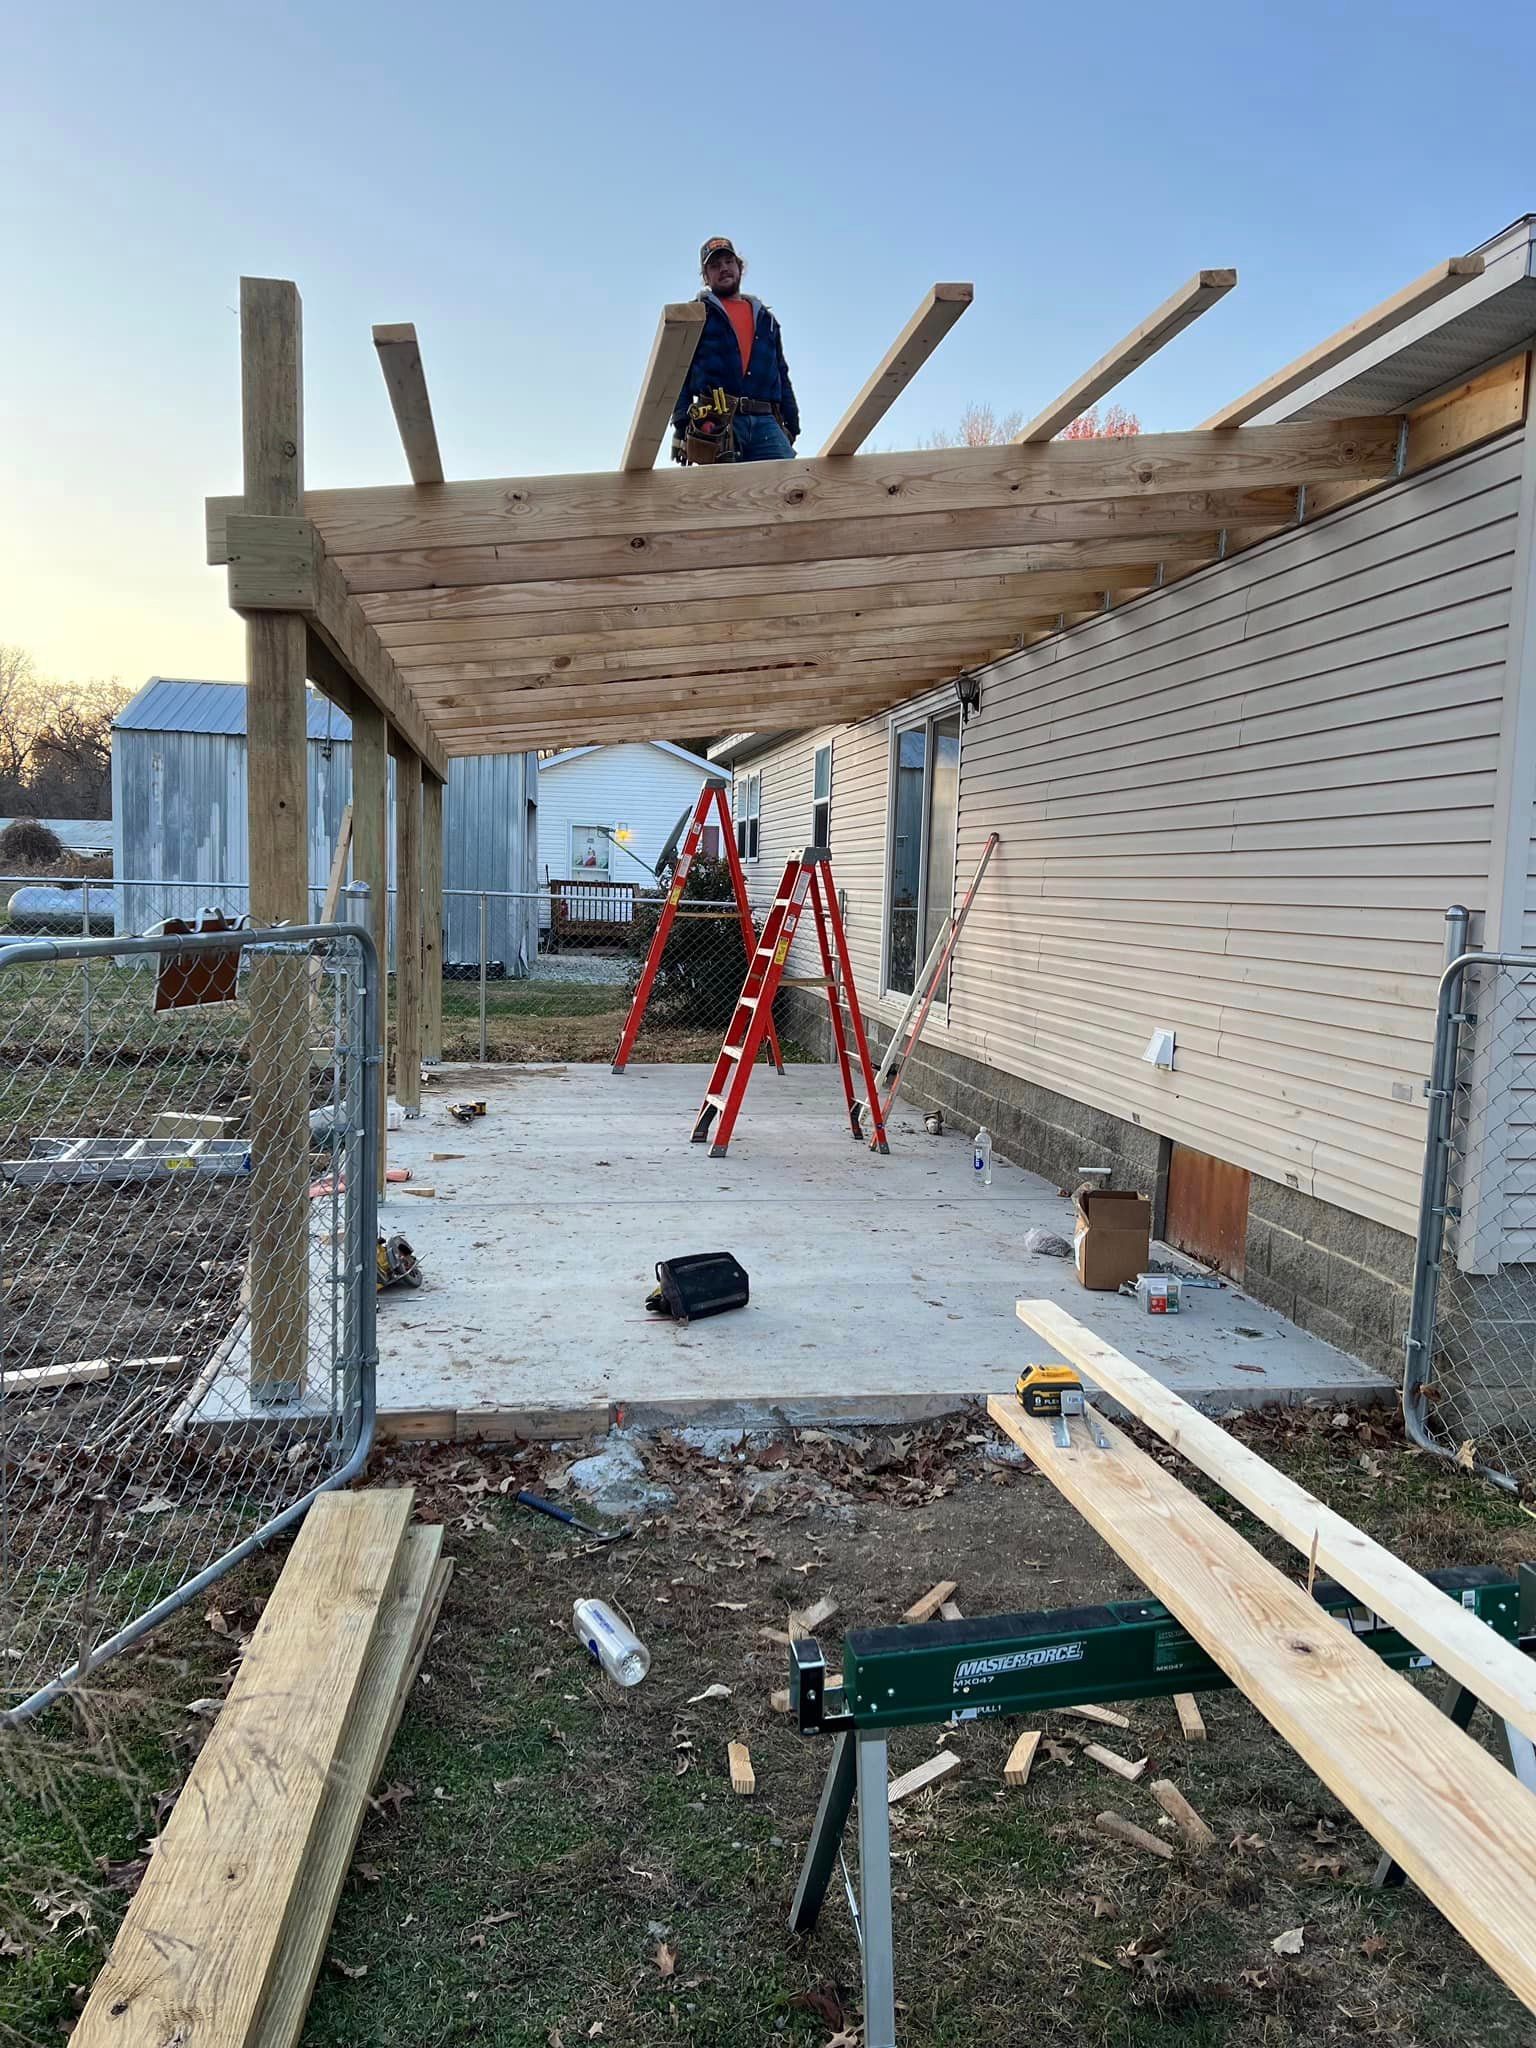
<point x="1469" y="1384"/>
<point x="187" y="1272"/>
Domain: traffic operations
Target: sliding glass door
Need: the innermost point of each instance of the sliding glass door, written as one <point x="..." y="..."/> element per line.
<point x="925" y="808"/>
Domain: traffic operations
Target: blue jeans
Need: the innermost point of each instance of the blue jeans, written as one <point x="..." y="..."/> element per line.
<point x="760" y="438"/>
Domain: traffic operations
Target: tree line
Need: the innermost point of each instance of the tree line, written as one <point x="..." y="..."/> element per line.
<point x="55" y="741"/>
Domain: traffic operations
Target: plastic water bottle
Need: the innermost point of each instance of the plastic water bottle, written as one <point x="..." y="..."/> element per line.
<point x="611" y="1640"/>
<point x="981" y="1157"/>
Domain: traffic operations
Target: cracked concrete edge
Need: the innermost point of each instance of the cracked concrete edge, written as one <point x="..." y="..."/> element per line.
<point x="808" y="1411"/>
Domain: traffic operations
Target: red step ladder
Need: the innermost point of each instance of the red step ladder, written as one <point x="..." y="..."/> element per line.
<point x="711" y="798"/>
<point x="807" y="879"/>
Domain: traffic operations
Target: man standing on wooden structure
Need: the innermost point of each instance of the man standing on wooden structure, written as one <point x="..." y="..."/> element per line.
<point x="737" y="403"/>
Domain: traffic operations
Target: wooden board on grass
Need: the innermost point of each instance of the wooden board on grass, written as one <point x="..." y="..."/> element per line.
<point x="1460" y="1825"/>
<point x="206" y="1927"/>
<point x="395" y="1658"/>
<point x="931" y="1772"/>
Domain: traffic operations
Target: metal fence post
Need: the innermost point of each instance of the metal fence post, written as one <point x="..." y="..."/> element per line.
<point x="485" y="930"/>
<point x="85" y="976"/>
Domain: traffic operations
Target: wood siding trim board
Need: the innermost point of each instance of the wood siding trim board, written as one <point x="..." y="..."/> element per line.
<point x="1237" y="806"/>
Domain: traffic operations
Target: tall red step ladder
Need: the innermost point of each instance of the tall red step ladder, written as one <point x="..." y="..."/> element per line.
<point x="807" y="880"/>
<point x="711" y="799"/>
<point x="910" y="1027"/>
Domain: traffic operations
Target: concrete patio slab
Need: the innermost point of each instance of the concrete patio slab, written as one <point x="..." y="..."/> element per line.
<point x="882" y="1288"/>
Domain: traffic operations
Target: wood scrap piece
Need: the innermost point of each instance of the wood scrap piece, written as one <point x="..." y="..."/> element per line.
<point x="1461" y="1826"/>
<point x="399" y="1651"/>
<point x="926" y="1608"/>
<point x="811" y="1618"/>
<point x="743" y="1777"/>
<point x="932" y="1772"/>
<point x="1183" y="1815"/>
<point x="1106" y="1715"/>
<point x="29" y="1378"/>
<point x="1122" y="1766"/>
<point x="777" y="1636"/>
<point x="204" y="1932"/>
<point x="1020" y="1757"/>
<point x="1191" y="1720"/>
<point x="1124" y="1830"/>
<point x="779" y="1701"/>
<point x="949" y="1611"/>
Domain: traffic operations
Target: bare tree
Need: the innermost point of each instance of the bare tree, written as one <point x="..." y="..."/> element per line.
<point x="981" y="428"/>
<point x="55" y="741"/>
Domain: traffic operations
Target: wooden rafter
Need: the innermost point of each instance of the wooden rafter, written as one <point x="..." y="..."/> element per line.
<point x="900" y="364"/>
<point x="1193" y="298"/>
<point x="677" y="336"/>
<point x="1445" y="277"/>
<point x="406" y="380"/>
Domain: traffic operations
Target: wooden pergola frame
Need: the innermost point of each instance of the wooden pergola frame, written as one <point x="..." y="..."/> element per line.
<point x="453" y="618"/>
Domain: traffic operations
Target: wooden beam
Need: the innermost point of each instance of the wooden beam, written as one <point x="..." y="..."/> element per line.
<point x="677" y="336"/>
<point x="900" y="364"/>
<point x="370" y="864"/>
<point x="279" y="566"/>
<point x="769" y="548"/>
<point x="833" y="584"/>
<point x="205" y="1928"/>
<point x="825" y="490"/>
<point x="277" y="806"/>
<point x="1193" y="298"/>
<point x="962" y="640"/>
<point x="406" y="382"/>
<point x="1462" y="1645"/>
<point x="1462" y="1826"/>
<point x="432" y="917"/>
<point x="408" y="1038"/>
<point x="1445" y="277"/>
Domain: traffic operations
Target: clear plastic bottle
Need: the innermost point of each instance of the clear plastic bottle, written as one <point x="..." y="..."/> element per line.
<point x="981" y="1157"/>
<point x="611" y="1640"/>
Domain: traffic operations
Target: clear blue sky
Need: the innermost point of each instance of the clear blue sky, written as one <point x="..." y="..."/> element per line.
<point x="529" y="184"/>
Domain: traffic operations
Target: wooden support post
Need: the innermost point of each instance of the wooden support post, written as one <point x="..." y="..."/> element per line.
<point x="432" y="918"/>
<point x="370" y="861"/>
<point x="272" y="416"/>
<point x="407" y="929"/>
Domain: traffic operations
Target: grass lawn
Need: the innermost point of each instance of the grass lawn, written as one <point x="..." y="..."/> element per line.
<point x="553" y="1862"/>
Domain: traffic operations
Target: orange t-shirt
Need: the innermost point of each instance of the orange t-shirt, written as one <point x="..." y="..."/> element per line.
<point x="742" y="317"/>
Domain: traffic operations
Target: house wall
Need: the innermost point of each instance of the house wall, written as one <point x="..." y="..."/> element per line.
<point x="1238" y="808"/>
<point x="634" y="784"/>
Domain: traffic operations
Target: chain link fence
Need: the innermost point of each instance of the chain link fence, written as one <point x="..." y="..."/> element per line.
<point x="1469" y="1389"/>
<point x="188" y="1152"/>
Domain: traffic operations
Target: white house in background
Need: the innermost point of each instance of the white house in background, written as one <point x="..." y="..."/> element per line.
<point x="606" y="813"/>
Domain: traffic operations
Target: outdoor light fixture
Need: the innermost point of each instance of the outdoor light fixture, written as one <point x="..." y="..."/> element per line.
<point x="968" y="690"/>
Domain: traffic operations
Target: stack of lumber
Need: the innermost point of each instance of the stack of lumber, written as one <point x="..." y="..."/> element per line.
<point x="227" y="1931"/>
<point x="1460" y="1825"/>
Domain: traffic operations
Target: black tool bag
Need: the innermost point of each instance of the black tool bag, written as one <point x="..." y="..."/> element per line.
<point x="699" y="1284"/>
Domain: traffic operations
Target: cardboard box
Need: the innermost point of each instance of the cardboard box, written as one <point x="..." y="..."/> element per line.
<point x="1113" y="1237"/>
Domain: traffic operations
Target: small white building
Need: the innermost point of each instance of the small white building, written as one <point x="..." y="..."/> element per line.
<point x="607" y="812"/>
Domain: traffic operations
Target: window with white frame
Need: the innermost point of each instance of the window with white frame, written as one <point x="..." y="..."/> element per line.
<point x="925" y="793"/>
<point x="749" y="805"/>
<point x="821" y="798"/>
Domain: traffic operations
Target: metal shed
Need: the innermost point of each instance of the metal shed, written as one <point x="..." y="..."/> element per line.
<point x="179" y="818"/>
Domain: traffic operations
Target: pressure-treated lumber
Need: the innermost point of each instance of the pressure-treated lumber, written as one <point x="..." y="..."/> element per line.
<point x="1461" y="1826"/>
<point x="337" y="875"/>
<point x="1105" y="1716"/>
<point x="1193" y="298"/>
<point x="1122" y="1766"/>
<point x="1022" y="1755"/>
<point x="1184" y="1817"/>
<point x="677" y="336"/>
<point x="431" y="919"/>
<point x="277" y="810"/>
<point x="1123" y="1830"/>
<point x="825" y="491"/>
<point x="1191" y="1720"/>
<point x="1445" y="277"/>
<point x="408" y="931"/>
<point x="406" y="381"/>
<point x="370" y="865"/>
<point x="922" y="1775"/>
<point x="937" y="314"/>
<point x="205" y="1930"/>
<point x="929" y="1605"/>
<point x="743" y="1777"/>
<point x="34" y="1379"/>
<point x="1493" y="1669"/>
<point x="394" y="1658"/>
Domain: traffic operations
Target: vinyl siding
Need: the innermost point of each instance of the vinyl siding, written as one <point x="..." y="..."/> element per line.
<point x="1237" y="808"/>
<point x="632" y="784"/>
